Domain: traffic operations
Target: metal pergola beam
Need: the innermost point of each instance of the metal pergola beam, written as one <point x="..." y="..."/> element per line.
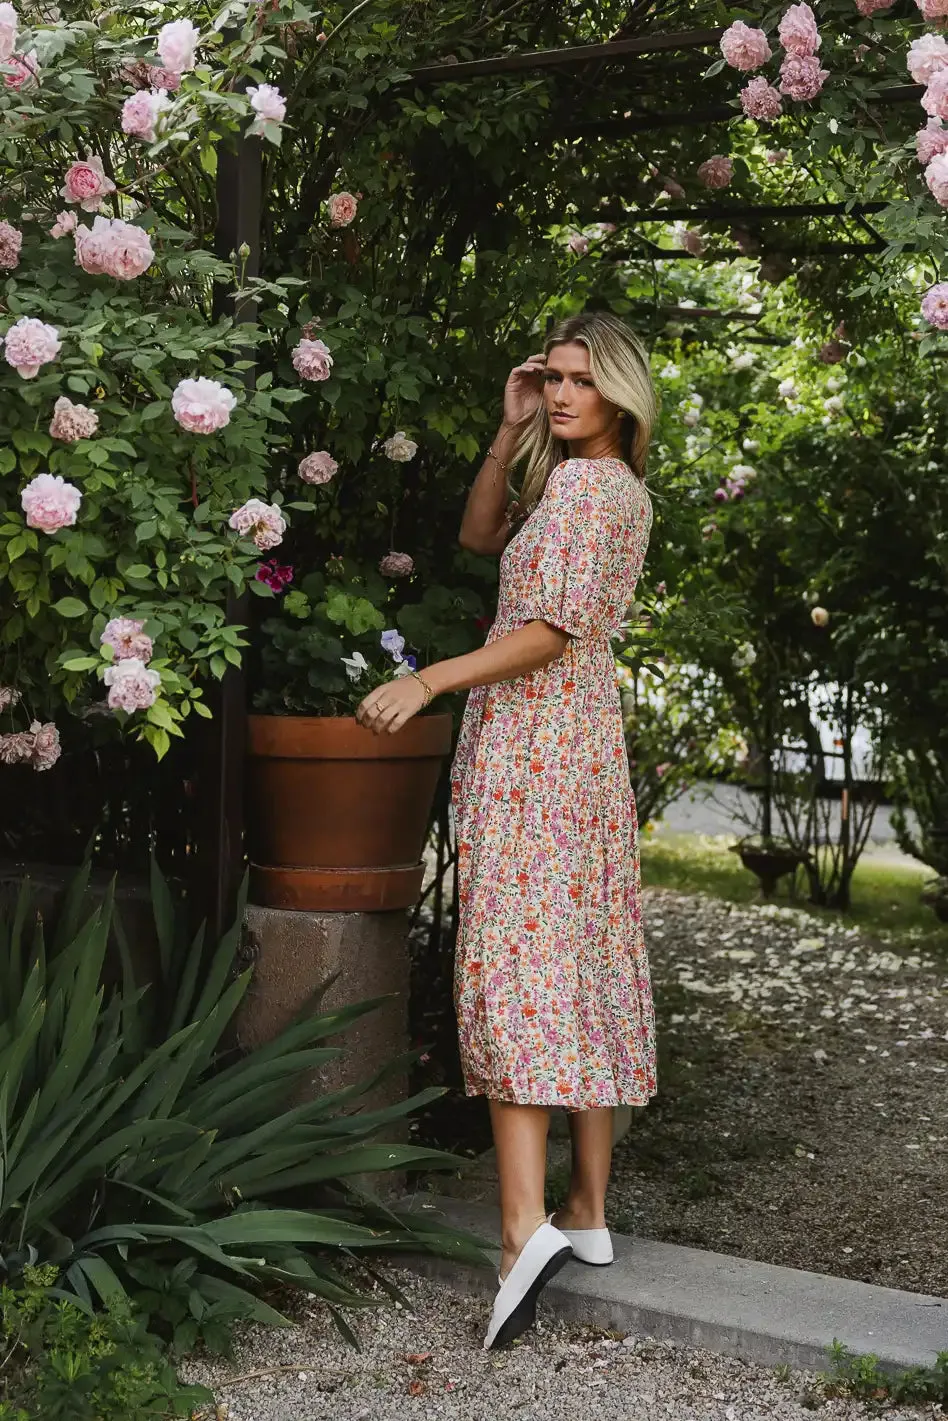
<point x="613" y="51"/>
<point x="720" y="211"/>
<point x="814" y="249"/>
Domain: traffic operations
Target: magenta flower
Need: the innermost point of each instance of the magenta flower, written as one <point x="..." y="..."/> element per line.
<point x="801" y="77"/>
<point x="761" y="100"/>
<point x="72" y="422"/>
<point x="312" y="359"/>
<point x="342" y="208"/>
<point x="745" y="48"/>
<point x="50" y="503"/>
<point x="126" y="637"/>
<point x="202" y="406"/>
<point x="87" y="184"/>
<point x="30" y="344"/>
<point x="277" y="576"/>
<point x="131" y="685"/>
<point x="10" y="243"/>
<point x="716" y="172"/>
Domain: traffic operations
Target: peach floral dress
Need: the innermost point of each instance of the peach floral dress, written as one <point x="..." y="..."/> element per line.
<point x="552" y="984"/>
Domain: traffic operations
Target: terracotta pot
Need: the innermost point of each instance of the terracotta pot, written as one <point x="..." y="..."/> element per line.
<point x="337" y="816"/>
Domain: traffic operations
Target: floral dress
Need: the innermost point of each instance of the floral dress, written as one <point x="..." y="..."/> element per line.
<point x="552" y="984"/>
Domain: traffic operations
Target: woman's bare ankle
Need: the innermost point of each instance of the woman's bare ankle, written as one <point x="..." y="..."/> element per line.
<point x="580" y="1214"/>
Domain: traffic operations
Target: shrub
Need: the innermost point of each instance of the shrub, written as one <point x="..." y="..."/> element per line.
<point x="144" y="1159"/>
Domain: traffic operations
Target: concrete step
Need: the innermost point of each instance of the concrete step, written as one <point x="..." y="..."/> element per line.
<point x="755" y="1311"/>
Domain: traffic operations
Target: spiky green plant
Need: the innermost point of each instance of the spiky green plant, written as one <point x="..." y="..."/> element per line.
<point x="132" y="1137"/>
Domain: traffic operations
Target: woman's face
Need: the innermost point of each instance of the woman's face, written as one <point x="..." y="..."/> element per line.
<point x="575" y="408"/>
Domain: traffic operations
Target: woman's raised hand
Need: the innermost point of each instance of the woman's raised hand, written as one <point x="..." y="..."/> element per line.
<point x="524" y="390"/>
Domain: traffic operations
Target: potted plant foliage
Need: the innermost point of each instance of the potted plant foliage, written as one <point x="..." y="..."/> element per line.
<point x="337" y="816"/>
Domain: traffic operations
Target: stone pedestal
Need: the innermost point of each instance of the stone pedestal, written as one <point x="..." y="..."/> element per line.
<point x="294" y="953"/>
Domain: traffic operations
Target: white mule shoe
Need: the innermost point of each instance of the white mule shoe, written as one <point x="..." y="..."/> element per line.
<point x="589" y="1245"/>
<point x="515" y="1306"/>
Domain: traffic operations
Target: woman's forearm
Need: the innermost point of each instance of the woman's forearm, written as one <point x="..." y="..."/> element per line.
<point x="484" y="525"/>
<point x="510" y="656"/>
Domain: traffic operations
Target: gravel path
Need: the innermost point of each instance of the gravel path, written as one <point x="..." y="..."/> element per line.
<point x="427" y="1364"/>
<point x="802" y="1114"/>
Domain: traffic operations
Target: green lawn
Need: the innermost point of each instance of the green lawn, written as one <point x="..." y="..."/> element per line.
<point x="885" y="895"/>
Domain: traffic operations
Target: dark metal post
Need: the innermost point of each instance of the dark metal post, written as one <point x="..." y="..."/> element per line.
<point x="219" y="861"/>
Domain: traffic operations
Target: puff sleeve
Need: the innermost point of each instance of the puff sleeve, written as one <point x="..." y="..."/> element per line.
<point x="579" y="549"/>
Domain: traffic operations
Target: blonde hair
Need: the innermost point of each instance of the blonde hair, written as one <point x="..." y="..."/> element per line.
<point x="619" y="366"/>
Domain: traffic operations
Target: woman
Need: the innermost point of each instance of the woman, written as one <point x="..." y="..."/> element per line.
<point x="551" y="981"/>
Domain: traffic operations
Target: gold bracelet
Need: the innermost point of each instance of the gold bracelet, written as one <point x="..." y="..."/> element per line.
<point x="429" y="693"/>
<point x="499" y="462"/>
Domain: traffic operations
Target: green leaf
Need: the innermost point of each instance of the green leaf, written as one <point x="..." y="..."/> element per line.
<point x="80" y="663"/>
<point x="70" y="607"/>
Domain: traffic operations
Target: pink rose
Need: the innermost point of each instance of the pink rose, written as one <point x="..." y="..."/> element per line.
<point x="317" y="468"/>
<point x="50" y="503"/>
<point x="16" y="749"/>
<point x="926" y="56"/>
<point x="131" y="685"/>
<point x="149" y="76"/>
<point x="872" y="7"/>
<point x="64" y="225"/>
<point x="761" y="100"/>
<point x="141" y="111"/>
<point x="935" y="97"/>
<point x="798" y="32"/>
<point x="71" y="422"/>
<point x="23" y="71"/>
<point x="263" y="522"/>
<point x="177" y="42"/>
<point x="312" y="360"/>
<point x="87" y="184"/>
<point x="342" y="207"/>
<point x="930" y="141"/>
<point x="777" y="156"/>
<point x="673" y="188"/>
<point x="126" y="637"/>
<point x="743" y="47"/>
<point x="114" y="248"/>
<point x="30" y="343"/>
<point x="801" y="77"/>
<point x="578" y="244"/>
<point x="936" y="175"/>
<point x="933" y="9"/>
<point x="268" y="104"/>
<point x="397" y="565"/>
<point x="8" y="28"/>
<point x="9" y="697"/>
<point x="202" y="406"/>
<point x="716" y="172"/>
<point x="10" y="243"/>
<point x="935" y="306"/>
<point x="46" y="748"/>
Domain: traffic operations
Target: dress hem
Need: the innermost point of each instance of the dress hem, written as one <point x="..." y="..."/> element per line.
<point x="507" y="1098"/>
